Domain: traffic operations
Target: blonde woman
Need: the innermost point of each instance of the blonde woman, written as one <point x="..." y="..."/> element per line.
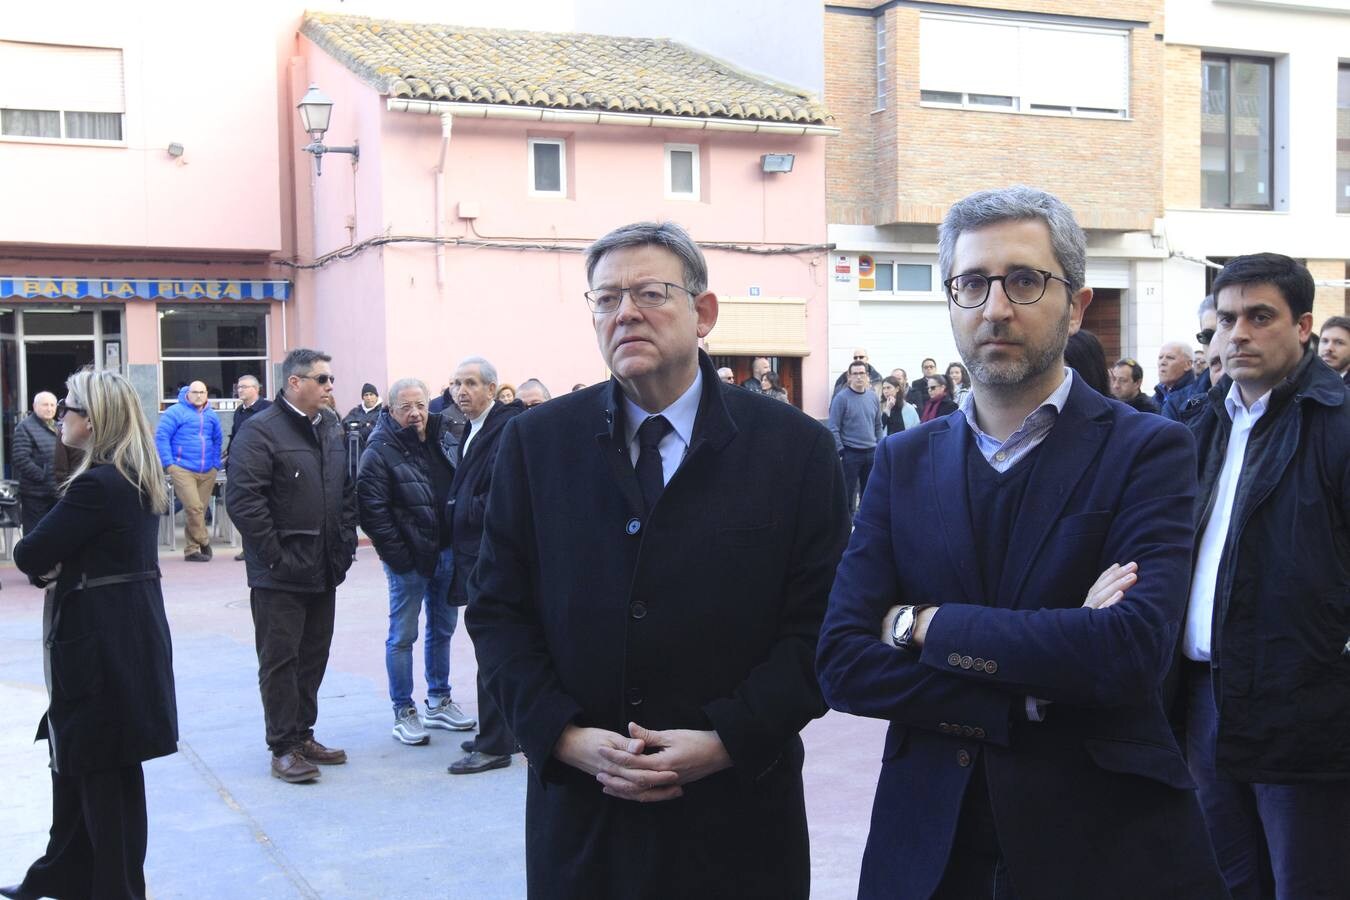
<point x="109" y="660"/>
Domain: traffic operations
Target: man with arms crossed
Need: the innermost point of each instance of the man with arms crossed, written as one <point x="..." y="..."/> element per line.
<point x="1029" y="754"/>
<point x="1266" y="657"/>
<point x="656" y="556"/>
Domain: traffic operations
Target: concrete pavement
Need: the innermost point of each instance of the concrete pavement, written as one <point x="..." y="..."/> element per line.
<point x="391" y="823"/>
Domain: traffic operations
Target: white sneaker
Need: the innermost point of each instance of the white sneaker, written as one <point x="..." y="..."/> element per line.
<point x="447" y="714"/>
<point x="408" y="728"/>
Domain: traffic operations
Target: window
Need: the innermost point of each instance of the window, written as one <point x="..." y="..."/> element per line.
<point x="84" y="103"/>
<point x="548" y="172"/>
<point x="1343" y="139"/>
<point x="1236" y="115"/>
<point x="902" y="278"/>
<point x="1008" y="65"/>
<point x="682" y="174"/>
<point x="214" y="344"/>
<point x="881" y="61"/>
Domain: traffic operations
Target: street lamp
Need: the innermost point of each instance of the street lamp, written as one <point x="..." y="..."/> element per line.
<point x="315" y="112"/>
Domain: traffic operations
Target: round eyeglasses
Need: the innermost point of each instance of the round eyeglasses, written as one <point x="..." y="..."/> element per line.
<point x="648" y="295"/>
<point x="1022" y="286"/>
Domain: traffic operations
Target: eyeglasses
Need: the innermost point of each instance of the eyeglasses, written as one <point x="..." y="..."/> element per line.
<point x="320" y="379"/>
<point x="1022" y="286"/>
<point x="62" y="408"/>
<point x="936" y="387"/>
<point x="1205" y="335"/>
<point x="648" y="295"/>
<point x="404" y="408"/>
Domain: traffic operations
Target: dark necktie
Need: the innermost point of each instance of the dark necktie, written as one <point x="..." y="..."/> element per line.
<point x="650" y="474"/>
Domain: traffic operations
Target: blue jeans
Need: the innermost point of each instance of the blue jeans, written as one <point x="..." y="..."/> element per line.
<point x="1272" y="840"/>
<point x="407" y="592"/>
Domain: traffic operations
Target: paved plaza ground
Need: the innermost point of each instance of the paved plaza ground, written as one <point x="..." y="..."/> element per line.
<point x="389" y="824"/>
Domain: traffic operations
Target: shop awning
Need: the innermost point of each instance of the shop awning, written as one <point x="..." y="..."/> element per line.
<point x="48" y="287"/>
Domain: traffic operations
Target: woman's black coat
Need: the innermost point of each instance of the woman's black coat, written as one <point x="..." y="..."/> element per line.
<point x="112" y="688"/>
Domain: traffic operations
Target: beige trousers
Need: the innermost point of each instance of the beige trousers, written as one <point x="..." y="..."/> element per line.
<point x="194" y="492"/>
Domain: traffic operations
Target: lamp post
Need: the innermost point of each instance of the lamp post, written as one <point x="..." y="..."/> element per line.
<point x="315" y="112"/>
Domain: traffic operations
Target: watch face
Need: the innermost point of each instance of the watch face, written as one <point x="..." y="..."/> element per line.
<point x="904" y="626"/>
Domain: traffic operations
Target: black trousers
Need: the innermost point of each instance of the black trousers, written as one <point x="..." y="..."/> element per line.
<point x="494" y="736"/>
<point x="97" y="843"/>
<point x="976" y="869"/>
<point x="32" y="509"/>
<point x="292" y="633"/>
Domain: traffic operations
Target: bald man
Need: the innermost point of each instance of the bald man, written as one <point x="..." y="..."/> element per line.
<point x="35" y="441"/>
<point x="1174" y="370"/>
<point x="188" y="438"/>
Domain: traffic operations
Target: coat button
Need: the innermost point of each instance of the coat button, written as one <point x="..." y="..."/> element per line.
<point x="967" y="662"/>
<point x="979" y="733"/>
<point x="633" y="526"/>
<point x="990" y="667"/>
<point x="967" y="731"/>
<point x="634" y="696"/>
<point x="963" y="758"/>
<point x="954" y="659"/>
<point x="638" y="609"/>
<point x="944" y="727"/>
<point x="979" y="664"/>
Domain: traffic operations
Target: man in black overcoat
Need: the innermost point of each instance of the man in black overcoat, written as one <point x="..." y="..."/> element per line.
<point x="656" y="556"/>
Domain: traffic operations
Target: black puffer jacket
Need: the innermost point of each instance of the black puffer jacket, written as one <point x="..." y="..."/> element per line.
<point x="290" y="497"/>
<point x="1282" y="602"/>
<point x="34" y="456"/>
<point x="363" y="420"/>
<point x="397" y="494"/>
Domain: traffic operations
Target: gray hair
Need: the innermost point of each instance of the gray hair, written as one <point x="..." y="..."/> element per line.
<point x="300" y="361"/>
<point x="40" y="394"/>
<point x="402" y="385"/>
<point x="251" y="379"/>
<point x="1017" y="203"/>
<point x="666" y="235"/>
<point x="1207" y="305"/>
<point x="534" y="382"/>
<point x="486" y="370"/>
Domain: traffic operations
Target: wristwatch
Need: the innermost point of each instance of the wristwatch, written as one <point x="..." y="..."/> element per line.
<point x="902" y="630"/>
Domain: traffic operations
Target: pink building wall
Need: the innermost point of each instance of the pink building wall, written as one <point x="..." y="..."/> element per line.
<point x="384" y="316"/>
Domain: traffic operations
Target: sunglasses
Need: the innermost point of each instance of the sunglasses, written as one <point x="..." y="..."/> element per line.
<point x="1205" y="336"/>
<point x="62" y="408"/>
<point x="320" y="379"/>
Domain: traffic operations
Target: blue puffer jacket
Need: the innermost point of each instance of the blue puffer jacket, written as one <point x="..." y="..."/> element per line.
<point x="189" y="437"/>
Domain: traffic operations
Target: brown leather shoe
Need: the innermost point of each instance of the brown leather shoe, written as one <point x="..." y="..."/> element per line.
<point x="294" y="768"/>
<point x="317" y="753"/>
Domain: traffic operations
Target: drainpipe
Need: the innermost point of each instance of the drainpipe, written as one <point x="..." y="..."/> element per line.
<point x="446" y="121"/>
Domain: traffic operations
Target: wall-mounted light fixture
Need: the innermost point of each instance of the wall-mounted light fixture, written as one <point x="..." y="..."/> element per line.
<point x="175" y="150"/>
<point x="315" y="112"/>
<point x="777" y="163"/>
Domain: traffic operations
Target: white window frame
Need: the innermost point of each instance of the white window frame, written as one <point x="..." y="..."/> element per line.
<point x="934" y="292"/>
<point x="881" y="62"/>
<point x="1021" y="105"/>
<point x="561" y="144"/>
<point x="80" y="64"/>
<point x="671" y="193"/>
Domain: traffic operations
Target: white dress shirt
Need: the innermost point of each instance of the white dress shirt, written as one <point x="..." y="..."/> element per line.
<point x="680" y="415"/>
<point x="476" y="425"/>
<point x="1200" y="611"/>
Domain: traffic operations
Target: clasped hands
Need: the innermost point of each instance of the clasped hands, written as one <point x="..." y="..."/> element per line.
<point x="626" y="770"/>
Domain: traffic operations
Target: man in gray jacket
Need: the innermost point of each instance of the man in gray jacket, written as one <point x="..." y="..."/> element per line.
<point x="855" y="420"/>
<point x="34" y="453"/>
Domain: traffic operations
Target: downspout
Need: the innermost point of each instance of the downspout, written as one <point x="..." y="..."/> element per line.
<point x="446" y="122"/>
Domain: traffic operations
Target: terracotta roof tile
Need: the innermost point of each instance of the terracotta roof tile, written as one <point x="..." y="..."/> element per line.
<point x="561" y="71"/>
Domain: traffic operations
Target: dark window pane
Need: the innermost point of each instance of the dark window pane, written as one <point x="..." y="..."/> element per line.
<point x="915" y="277"/>
<point x="43" y="123"/>
<point x="94" y="126"/>
<point x="219" y="375"/>
<point x="1250" y="137"/>
<point x="1214" y="134"/>
<point x="35" y="323"/>
<point x="548" y="168"/>
<point x="112" y="322"/>
<point x="212" y="332"/>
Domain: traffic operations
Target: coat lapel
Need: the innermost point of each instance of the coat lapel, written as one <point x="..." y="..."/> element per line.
<point x="947" y="448"/>
<point x="614" y="451"/>
<point x="1065" y="454"/>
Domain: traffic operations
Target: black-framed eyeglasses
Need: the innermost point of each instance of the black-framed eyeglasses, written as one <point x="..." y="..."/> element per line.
<point x="1205" y="335"/>
<point x="1022" y="286"/>
<point x="63" y="407"/>
<point x="648" y="295"/>
<point x="936" y="387"/>
<point x="320" y="379"/>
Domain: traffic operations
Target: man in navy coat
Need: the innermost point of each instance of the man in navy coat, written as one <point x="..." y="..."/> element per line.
<point x="657" y="551"/>
<point x="1029" y="755"/>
